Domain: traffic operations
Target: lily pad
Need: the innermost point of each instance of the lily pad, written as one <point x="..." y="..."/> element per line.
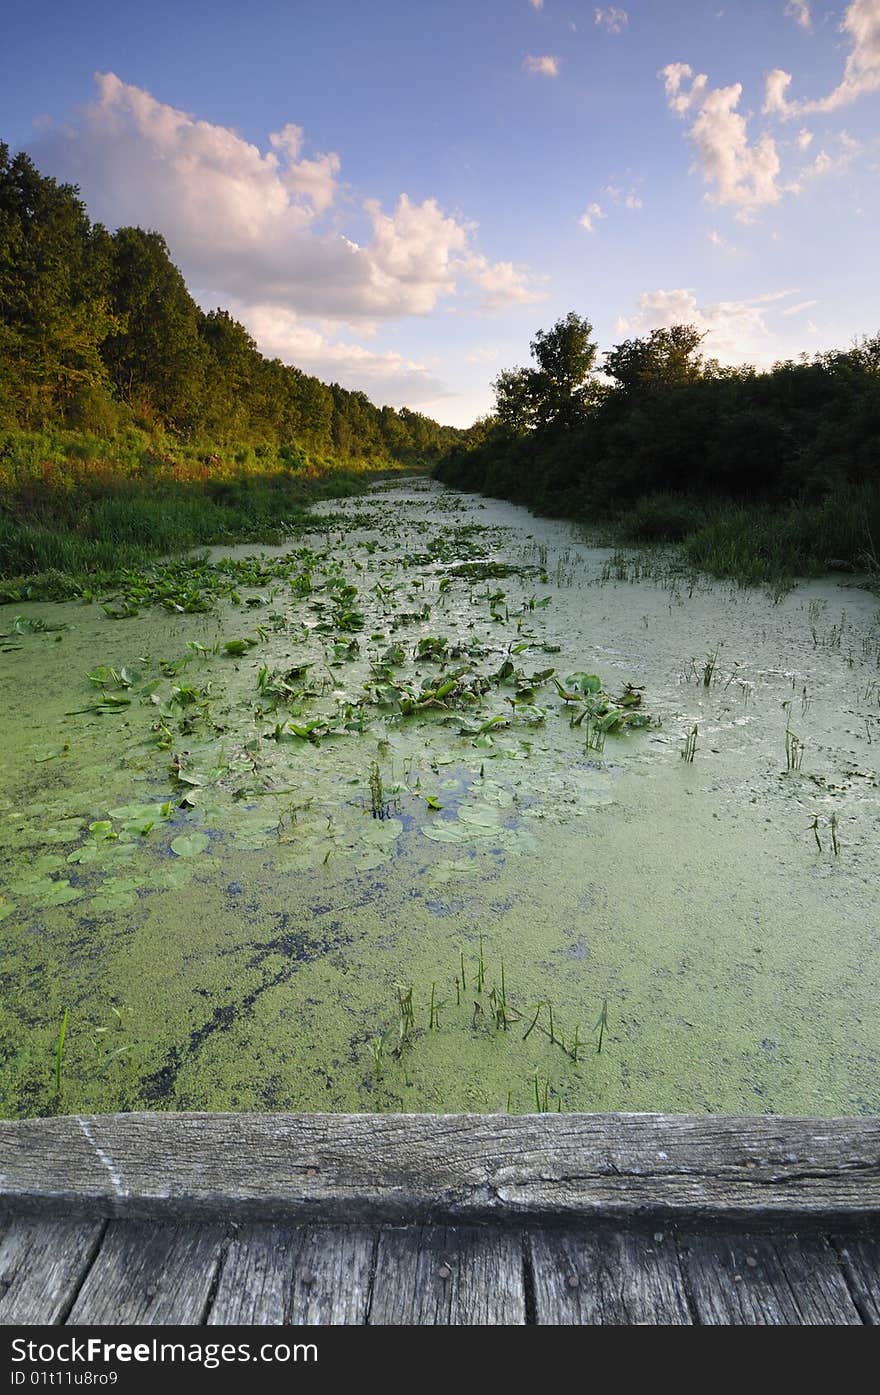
<point x="190" y="844"/>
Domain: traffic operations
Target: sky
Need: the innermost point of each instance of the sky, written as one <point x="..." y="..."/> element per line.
<point x="397" y="195"/>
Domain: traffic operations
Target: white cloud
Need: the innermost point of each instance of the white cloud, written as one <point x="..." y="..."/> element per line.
<point x="739" y="172"/>
<point x="265" y="228"/>
<point x="799" y="308"/>
<point x="799" y="11"/>
<point x="805" y="138"/>
<point x="545" y="64"/>
<point x="591" y="215"/>
<point x="631" y="199"/>
<point x="612" y="19"/>
<point x="537" y="4"/>
<point x="387" y="377"/>
<point x="861" y="24"/>
<point x="718" y="240"/>
<point x="736" y="330"/>
<point x="501" y="283"/>
<point x="833" y="164"/>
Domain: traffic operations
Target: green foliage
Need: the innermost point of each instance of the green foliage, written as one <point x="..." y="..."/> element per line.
<point x="756" y="475"/>
<point x="98" y="332"/>
<point x="555" y="394"/>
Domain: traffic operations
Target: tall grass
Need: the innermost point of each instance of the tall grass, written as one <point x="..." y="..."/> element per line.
<point x="759" y="544"/>
<point x="75" y="509"/>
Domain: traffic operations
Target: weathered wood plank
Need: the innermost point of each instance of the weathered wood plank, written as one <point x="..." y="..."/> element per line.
<point x="42" y="1264"/>
<point x="394" y="1168"/>
<point x="150" y="1273"/>
<point x="282" y="1275"/>
<point x="607" y="1278"/>
<point x="765" y="1280"/>
<point x="448" y="1275"/>
<point x="860" y="1261"/>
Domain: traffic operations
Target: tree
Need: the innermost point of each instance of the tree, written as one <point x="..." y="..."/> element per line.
<point x="157" y="359"/>
<point x="562" y="387"/>
<point x="53" y="303"/>
<point x="558" y="393"/>
<point x="514" y="401"/>
<point x="666" y="358"/>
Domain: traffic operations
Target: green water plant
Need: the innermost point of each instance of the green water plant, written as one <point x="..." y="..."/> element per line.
<point x="690" y="745"/>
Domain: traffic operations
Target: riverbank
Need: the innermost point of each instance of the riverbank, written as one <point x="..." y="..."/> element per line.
<point x="77" y="511"/>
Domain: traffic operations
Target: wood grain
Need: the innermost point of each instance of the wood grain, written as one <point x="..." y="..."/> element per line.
<point x="42" y="1264"/>
<point x="367" y="1169"/>
<point x="150" y="1273"/>
<point x="607" y="1278"/>
<point x="277" y="1275"/>
<point x="447" y="1275"/>
<point x="766" y="1281"/>
<point x="860" y="1262"/>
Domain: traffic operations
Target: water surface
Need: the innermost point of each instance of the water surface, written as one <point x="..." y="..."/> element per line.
<point x="231" y="927"/>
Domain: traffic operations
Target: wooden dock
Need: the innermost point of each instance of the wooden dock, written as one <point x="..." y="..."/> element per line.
<point x="438" y="1219"/>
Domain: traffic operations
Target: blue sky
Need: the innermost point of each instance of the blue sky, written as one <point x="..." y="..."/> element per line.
<point x="397" y="195"/>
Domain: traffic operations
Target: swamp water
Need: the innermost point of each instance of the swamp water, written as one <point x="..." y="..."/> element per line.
<point x="251" y="845"/>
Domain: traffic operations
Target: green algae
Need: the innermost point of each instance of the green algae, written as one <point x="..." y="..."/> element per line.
<point x="258" y="969"/>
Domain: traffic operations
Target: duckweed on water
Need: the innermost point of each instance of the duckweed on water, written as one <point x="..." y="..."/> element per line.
<point x="227" y="873"/>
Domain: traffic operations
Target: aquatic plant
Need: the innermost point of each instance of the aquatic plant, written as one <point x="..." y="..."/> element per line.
<point x="690" y="744"/>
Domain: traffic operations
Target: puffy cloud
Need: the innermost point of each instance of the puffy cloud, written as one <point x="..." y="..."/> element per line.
<point x="591" y="215"/>
<point x="680" y="100"/>
<point x="832" y="164"/>
<point x="264" y="227"/>
<point x="545" y="64"/>
<point x="385" y="376"/>
<point x="612" y="19"/>
<point x="736" y="330"/>
<point x="799" y="11"/>
<point x="805" y="138"/>
<point x="501" y="283"/>
<point x="740" y="173"/>
<point x="861" y="24"/>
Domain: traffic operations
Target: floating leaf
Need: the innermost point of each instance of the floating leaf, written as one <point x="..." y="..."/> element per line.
<point x="190" y="844"/>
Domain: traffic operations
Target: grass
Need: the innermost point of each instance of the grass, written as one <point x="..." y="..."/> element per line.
<point x="760" y="544"/>
<point x="493" y="1013"/>
<point x="690" y="745"/>
<point x="75" y="511"/>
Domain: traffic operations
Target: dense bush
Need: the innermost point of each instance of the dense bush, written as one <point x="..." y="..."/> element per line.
<point x="756" y="473"/>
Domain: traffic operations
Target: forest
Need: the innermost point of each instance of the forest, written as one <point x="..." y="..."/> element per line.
<point x="755" y="474"/>
<point x="132" y="422"/>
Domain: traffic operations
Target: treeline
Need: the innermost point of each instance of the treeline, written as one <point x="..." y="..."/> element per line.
<point x="782" y="467"/>
<point x="98" y="333"/>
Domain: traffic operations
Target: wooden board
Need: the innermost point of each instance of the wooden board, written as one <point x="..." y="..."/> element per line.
<point x="446" y="1275"/>
<point x="276" y="1275"/>
<point x="860" y="1262"/>
<point x="42" y="1264"/>
<point x="607" y="1278"/>
<point x="364" y="1169"/>
<point x="149" y="1273"/>
<point x="766" y="1280"/>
